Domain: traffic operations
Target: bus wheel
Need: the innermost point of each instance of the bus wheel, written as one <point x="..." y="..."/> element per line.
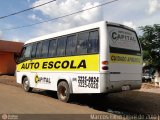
<point x="63" y="92"/>
<point x="26" y="85"/>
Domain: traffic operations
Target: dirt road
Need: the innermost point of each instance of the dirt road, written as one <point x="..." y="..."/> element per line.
<point x="14" y="100"/>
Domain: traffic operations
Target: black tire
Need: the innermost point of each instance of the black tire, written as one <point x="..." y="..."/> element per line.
<point x="63" y="92"/>
<point x="26" y="85"/>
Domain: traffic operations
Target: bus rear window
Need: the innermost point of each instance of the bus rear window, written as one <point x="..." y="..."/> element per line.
<point x="123" y="38"/>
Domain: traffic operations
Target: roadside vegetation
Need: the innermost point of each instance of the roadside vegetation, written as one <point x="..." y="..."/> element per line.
<point x="150" y="41"/>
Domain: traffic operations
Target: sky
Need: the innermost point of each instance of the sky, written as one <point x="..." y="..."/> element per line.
<point x="133" y="13"/>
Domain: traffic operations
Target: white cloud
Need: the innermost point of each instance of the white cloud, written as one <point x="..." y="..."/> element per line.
<point x="154" y="5"/>
<point x="128" y="12"/>
<point x="12" y="38"/>
<point x="34" y="17"/>
<point x="16" y="40"/>
<point x="132" y="11"/>
<point x="64" y="7"/>
<point x="129" y="24"/>
<point x="47" y="28"/>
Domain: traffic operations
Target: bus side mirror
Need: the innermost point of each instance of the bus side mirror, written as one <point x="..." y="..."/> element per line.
<point x="16" y="57"/>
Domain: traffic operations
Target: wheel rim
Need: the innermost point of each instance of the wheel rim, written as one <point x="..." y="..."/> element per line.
<point x="26" y="84"/>
<point x="63" y="92"/>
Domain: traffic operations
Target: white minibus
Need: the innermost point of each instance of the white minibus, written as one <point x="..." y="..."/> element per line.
<point x="103" y="57"/>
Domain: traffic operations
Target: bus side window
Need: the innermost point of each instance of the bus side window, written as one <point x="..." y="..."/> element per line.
<point x="61" y="44"/>
<point x="52" y="48"/>
<point x="82" y="43"/>
<point x="45" y="47"/>
<point x="39" y="50"/>
<point x="93" y="42"/>
<point x="33" y="53"/>
<point x="71" y="45"/>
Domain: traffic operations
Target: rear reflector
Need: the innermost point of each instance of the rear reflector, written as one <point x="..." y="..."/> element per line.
<point x="105" y="68"/>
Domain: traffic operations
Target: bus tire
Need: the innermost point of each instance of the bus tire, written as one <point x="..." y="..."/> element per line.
<point x="26" y="85"/>
<point x="63" y="92"/>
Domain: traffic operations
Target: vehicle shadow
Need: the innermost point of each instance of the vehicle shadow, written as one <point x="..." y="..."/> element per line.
<point x="47" y="93"/>
<point x="129" y="102"/>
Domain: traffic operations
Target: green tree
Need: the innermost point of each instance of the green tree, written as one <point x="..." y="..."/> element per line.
<point x="150" y="41"/>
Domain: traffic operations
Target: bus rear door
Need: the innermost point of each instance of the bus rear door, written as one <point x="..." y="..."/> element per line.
<point x="125" y="58"/>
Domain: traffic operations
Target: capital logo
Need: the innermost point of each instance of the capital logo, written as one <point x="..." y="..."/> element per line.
<point x="36" y="78"/>
<point x="114" y="36"/>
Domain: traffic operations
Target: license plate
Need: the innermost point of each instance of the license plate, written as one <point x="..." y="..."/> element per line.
<point x="126" y="87"/>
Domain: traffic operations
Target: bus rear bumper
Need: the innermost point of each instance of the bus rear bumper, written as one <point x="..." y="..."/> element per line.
<point x="117" y="86"/>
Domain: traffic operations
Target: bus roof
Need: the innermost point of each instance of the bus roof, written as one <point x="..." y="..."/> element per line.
<point x="74" y="30"/>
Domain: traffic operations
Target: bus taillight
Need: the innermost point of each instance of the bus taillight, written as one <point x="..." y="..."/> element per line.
<point x="104" y="63"/>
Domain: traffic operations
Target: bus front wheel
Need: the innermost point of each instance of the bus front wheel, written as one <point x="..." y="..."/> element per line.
<point x="63" y="92"/>
<point x="26" y="85"/>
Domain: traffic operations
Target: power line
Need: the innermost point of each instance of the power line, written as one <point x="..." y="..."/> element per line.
<point x="26" y="9"/>
<point x="53" y="19"/>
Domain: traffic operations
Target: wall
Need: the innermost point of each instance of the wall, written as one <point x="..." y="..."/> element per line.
<point x="7" y="63"/>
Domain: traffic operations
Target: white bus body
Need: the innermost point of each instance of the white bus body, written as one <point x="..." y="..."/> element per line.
<point x="106" y="57"/>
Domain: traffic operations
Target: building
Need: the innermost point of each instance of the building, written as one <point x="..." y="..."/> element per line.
<point x="7" y="51"/>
